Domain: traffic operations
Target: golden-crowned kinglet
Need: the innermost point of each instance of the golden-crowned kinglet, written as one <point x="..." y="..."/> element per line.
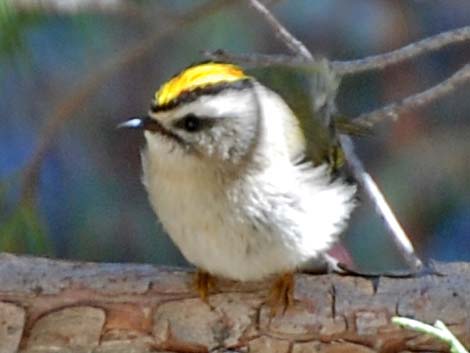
<point x="226" y="172"/>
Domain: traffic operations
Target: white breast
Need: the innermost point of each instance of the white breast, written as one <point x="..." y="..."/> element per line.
<point x="252" y="227"/>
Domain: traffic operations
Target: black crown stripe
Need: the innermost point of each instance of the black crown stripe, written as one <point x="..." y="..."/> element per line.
<point x="192" y="95"/>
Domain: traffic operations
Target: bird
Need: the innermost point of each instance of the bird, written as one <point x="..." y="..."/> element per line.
<point x="228" y="172"/>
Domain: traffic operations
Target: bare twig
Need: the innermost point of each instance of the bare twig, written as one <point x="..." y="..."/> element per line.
<point x="394" y="110"/>
<point x="262" y="60"/>
<point x="349" y="67"/>
<point x="74" y="6"/>
<point x="294" y="45"/>
<point x="65" y="110"/>
<point x="370" y="188"/>
<point x="412" y="50"/>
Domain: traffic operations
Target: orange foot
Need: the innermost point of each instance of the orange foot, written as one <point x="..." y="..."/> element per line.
<point x="204" y="282"/>
<point x="282" y="294"/>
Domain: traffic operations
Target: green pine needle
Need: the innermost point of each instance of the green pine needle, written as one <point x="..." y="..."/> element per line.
<point x="439" y="331"/>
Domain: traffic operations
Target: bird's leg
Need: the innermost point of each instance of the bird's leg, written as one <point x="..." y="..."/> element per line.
<point x="282" y="293"/>
<point x="204" y="282"/>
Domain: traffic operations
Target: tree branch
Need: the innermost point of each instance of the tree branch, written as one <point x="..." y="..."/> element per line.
<point x="348" y="67"/>
<point x="394" y="110"/>
<point x="400" y="238"/>
<point x="294" y="45"/>
<point x="425" y="46"/>
<point x="61" y="306"/>
<point x="74" y="6"/>
<point x="262" y="60"/>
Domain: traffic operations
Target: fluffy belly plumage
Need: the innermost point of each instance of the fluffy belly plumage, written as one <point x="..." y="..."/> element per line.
<point x="225" y="243"/>
<point x="250" y="229"/>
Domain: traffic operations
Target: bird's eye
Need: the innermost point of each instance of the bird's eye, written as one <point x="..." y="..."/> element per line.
<point x="190" y="123"/>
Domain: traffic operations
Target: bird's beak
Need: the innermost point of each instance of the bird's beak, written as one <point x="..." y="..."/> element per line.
<point x="148" y="124"/>
<point x="141" y="123"/>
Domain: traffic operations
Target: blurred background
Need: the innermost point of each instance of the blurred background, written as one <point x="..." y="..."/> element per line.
<point x="70" y="70"/>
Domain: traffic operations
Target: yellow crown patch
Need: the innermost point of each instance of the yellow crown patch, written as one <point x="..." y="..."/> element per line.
<point x="198" y="76"/>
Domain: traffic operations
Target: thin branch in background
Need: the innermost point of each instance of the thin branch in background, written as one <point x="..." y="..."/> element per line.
<point x="294" y="45"/>
<point x="399" y="236"/>
<point x="262" y="60"/>
<point x="348" y="67"/>
<point x="394" y="110"/>
<point x="70" y="7"/>
<point x="87" y="89"/>
<point x="123" y="8"/>
<point x="425" y="46"/>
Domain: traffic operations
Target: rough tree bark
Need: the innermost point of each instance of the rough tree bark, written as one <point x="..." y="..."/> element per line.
<point x="59" y="306"/>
